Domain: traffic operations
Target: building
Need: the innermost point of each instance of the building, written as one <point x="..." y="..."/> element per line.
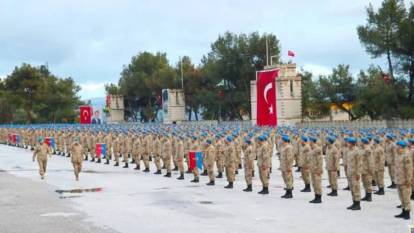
<point x="288" y="95"/>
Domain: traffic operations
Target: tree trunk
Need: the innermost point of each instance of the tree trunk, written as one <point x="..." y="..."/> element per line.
<point x="196" y="113"/>
<point x="390" y="68"/>
<point x="411" y="88"/>
<point x="190" y="113"/>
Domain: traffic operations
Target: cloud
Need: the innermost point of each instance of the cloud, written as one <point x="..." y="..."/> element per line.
<point x="317" y="70"/>
<point x="92" y="89"/>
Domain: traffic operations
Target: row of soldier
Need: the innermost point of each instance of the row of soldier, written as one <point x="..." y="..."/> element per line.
<point x="364" y="160"/>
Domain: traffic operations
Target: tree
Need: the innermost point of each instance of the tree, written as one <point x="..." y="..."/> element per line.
<point x="339" y="89"/>
<point x="40" y="95"/>
<point x="375" y="96"/>
<point x="314" y="105"/>
<point x="228" y="69"/>
<point x="141" y="84"/>
<point x="380" y="34"/>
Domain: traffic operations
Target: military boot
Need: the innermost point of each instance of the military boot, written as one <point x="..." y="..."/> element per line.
<point x="126" y="165"/>
<point x="368" y="197"/>
<point x="116" y="164"/>
<point x="168" y="174"/>
<point x="307" y="189"/>
<point x="412" y="196"/>
<point x="220" y="175"/>
<point x="334" y="193"/>
<point x="146" y="169"/>
<point x="137" y="167"/>
<point x="158" y="172"/>
<point x="288" y="194"/>
<point x="374" y="183"/>
<point x="107" y="161"/>
<point x="265" y="190"/>
<point x="317" y="199"/>
<point x="175" y="168"/>
<point x="181" y="177"/>
<point x="248" y="189"/>
<point x="381" y="192"/>
<point x="392" y="186"/>
<point x="189" y="171"/>
<point x="68" y="155"/>
<point x="211" y="183"/>
<point x="347" y="188"/>
<point x="229" y="186"/>
<point x="405" y="214"/>
<point x="133" y="161"/>
<point x="86" y="158"/>
<point x="99" y="160"/>
<point x="204" y="173"/>
<point x="195" y="180"/>
<point x="92" y="160"/>
<point x="252" y="173"/>
<point x="298" y="169"/>
<point x="240" y="166"/>
<point x="355" y="206"/>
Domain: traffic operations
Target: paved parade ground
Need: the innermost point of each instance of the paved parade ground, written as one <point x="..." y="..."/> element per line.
<point x="114" y="199"/>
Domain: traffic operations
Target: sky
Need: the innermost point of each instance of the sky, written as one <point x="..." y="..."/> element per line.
<point x="91" y="40"/>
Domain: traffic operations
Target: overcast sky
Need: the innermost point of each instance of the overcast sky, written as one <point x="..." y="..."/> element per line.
<point x="90" y="40"/>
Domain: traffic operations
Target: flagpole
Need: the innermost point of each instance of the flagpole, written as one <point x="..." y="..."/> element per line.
<point x="182" y="74"/>
<point x="267" y="51"/>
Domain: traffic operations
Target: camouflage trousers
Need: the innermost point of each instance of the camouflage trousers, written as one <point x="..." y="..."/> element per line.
<point x="77" y="168"/>
<point x="317" y="183"/>
<point x="42" y="166"/>
<point x="230" y="172"/>
<point x="379" y="178"/>
<point x="367" y="182"/>
<point x="210" y="171"/>
<point x="404" y="192"/>
<point x="288" y="179"/>
<point x="355" y="186"/>
<point x="305" y="175"/>
<point x="333" y="179"/>
<point x="264" y="176"/>
<point x="248" y="172"/>
<point x="391" y="171"/>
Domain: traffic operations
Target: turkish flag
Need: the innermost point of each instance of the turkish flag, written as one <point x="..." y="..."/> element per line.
<point x="85" y="114"/>
<point x="266" y="97"/>
<point x="291" y="53"/>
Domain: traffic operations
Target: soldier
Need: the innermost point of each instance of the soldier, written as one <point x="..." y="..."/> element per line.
<point x="354" y="163"/>
<point x="210" y="160"/>
<point x="167" y="155"/>
<point x="180" y="157"/>
<point x="157" y="150"/>
<point x="316" y="169"/>
<point x="367" y="169"/>
<point x="117" y="149"/>
<point x="108" y="142"/>
<point x="263" y="163"/>
<point x="379" y="165"/>
<point x="220" y="156"/>
<point x="390" y="151"/>
<point x="127" y="149"/>
<point x="304" y="163"/>
<point x="77" y="157"/>
<point x="249" y="156"/>
<point x="42" y="150"/>
<point x="230" y="161"/>
<point x="332" y="163"/>
<point x="286" y="164"/>
<point x="403" y="176"/>
<point x="136" y="152"/>
<point x="195" y="146"/>
<point x="147" y="150"/>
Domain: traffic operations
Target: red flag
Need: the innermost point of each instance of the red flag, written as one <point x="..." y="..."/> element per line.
<point x="192" y="160"/>
<point x="291" y="53"/>
<point x="85" y="114"/>
<point x="266" y="97"/>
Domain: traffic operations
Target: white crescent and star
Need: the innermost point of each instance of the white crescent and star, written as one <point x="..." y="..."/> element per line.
<point x="267" y="88"/>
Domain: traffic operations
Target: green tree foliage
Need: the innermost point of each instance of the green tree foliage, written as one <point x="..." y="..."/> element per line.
<point x="141" y="84"/>
<point x="339" y="88"/>
<point x="41" y="96"/>
<point x="314" y="105"/>
<point x="228" y="69"/>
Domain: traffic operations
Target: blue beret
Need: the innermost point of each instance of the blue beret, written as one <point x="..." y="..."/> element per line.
<point x="313" y="139"/>
<point x="304" y="138"/>
<point x="377" y="140"/>
<point x="351" y="140"/>
<point x="208" y="141"/>
<point x="365" y="140"/>
<point x="402" y="143"/>
<point x="331" y="139"/>
<point x="229" y="138"/>
<point x="389" y="136"/>
<point x="411" y="140"/>
<point x="286" y="138"/>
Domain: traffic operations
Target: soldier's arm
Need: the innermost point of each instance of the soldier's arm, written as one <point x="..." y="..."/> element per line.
<point x="408" y="171"/>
